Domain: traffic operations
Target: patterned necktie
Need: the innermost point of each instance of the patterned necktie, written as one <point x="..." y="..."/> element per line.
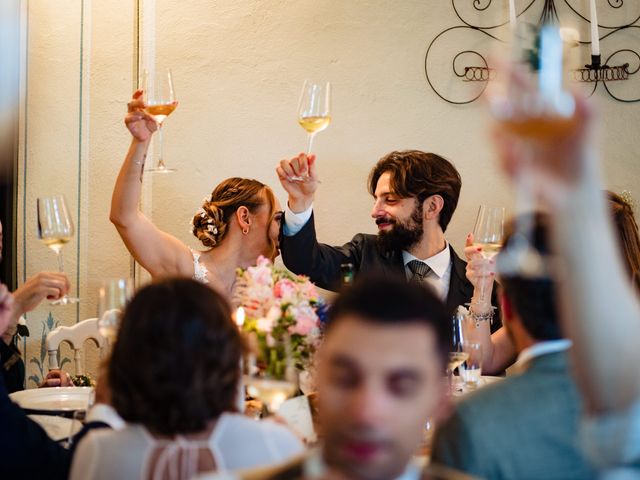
<point x="420" y="270"/>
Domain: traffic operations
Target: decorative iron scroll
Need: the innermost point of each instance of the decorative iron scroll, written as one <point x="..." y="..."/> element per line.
<point x="621" y="65"/>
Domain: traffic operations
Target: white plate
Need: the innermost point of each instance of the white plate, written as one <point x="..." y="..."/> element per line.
<point x="53" y="398"/>
<point x="58" y="428"/>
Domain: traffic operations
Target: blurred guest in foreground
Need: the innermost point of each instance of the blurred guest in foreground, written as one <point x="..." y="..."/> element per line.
<point x="236" y="224"/>
<point x="380" y="377"/>
<point x="173" y="377"/>
<point x="601" y="311"/>
<point x="525" y="426"/>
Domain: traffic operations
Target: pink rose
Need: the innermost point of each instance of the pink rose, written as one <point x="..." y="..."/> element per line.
<point x="306" y="320"/>
<point x="285" y="289"/>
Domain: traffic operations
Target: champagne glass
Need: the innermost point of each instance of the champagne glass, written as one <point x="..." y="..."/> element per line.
<point x="487" y="235"/>
<point x="314" y="113"/>
<point x="536" y="114"/>
<point x="55" y="229"/>
<point x="275" y="378"/>
<point x="113" y="297"/>
<point x="160" y="102"/>
<point x="457" y="354"/>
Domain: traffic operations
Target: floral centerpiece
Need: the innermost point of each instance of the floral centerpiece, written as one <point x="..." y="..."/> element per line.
<point x="283" y="316"/>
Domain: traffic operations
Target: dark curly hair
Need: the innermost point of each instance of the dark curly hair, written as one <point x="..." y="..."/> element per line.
<point x="176" y="362"/>
<point x="211" y="221"/>
<point x="420" y="175"/>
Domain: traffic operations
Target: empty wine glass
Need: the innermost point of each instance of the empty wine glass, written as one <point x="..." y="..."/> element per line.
<point x="160" y="102"/>
<point x="113" y="297"/>
<point x="314" y="113"/>
<point x="487" y="235"/>
<point x="55" y="229"/>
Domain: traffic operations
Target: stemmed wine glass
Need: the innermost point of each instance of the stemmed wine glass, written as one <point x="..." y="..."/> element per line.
<point x="314" y="112"/>
<point x="113" y="297"/>
<point x="457" y="353"/>
<point x="536" y="114"/>
<point x="275" y="378"/>
<point x="160" y="102"/>
<point x="487" y="234"/>
<point x="55" y="229"/>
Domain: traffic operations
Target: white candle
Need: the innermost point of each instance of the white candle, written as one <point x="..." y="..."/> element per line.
<point x="595" y="40"/>
<point x="512" y="15"/>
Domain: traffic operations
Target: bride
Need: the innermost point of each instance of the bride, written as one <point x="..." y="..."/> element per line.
<point x="239" y="221"/>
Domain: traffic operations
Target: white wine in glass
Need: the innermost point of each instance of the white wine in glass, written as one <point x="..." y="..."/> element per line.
<point x="160" y="102"/>
<point x="55" y="230"/>
<point x="314" y="113"/>
<point x="487" y="234"/>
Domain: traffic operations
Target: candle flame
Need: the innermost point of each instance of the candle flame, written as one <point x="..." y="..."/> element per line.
<point x="240" y="316"/>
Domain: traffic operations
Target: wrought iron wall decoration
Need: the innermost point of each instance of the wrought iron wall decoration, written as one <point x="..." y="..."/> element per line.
<point x="471" y="67"/>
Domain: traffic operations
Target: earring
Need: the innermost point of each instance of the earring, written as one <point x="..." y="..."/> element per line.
<point x="245" y="230"/>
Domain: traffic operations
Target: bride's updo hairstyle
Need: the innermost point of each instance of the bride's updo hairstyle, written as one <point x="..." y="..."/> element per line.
<point x="211" y="222"/>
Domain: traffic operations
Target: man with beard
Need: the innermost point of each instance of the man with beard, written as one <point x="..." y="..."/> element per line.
<point x="415" y="194"/>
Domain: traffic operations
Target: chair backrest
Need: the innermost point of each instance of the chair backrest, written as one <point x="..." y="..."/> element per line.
<point x="75" y="336"/>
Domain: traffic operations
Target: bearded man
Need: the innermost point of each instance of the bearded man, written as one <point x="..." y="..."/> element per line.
<point x="415" y="194"/>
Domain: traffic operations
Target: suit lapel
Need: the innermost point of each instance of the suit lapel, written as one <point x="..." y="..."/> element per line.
<point x="460" y="289"/>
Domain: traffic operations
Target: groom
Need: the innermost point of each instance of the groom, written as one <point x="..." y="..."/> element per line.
<point x="415" y="195"/>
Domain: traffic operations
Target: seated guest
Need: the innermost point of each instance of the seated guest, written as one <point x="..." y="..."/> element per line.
<point x="380" y="377"/>
<point x="43" y="285"/>
<point x="173" y="376"/>
<point x="498" y="350"/>
<point x="415" y="195"/>
<point x="525" y="426"/>
<point x="236" y="224"/>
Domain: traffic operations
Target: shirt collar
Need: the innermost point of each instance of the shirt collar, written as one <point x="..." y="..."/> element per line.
<point x="438" y="262"/>
<point x="315" y="468"/>
<point x="541" y="348"/>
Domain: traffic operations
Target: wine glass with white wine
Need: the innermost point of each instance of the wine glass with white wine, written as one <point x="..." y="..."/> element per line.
<point x="160" y="102"/>
<point x="457" y="353"/>
<point x="314" y="113"/>
<point x="55" y="229"/>
<point x="487" y="235"/>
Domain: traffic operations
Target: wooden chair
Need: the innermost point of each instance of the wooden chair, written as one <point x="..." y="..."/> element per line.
<point x="75" y="336"/>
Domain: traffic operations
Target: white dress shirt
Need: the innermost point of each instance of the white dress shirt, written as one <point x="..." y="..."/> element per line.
<point x="440" y="274"/>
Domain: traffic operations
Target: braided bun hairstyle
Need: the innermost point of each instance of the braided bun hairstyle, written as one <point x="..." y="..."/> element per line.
<point x="627" y="229"/>
<point x="211" y="222"/>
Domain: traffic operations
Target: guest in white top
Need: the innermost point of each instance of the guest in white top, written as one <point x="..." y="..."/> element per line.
<point x="238" y="222"/>
<point x="173" y="376"/>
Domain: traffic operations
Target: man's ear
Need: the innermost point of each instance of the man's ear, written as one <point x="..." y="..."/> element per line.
<point x="432" y="206"/>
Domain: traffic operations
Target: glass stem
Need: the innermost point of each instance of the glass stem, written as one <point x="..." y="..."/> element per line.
<point x="310" y="142"/>
<point x="60" y="263"/>
<point x="161" y="157"/>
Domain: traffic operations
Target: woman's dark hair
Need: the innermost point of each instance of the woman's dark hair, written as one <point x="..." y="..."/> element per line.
<point x="420" y="175"/>
<point x="176" y="362"/>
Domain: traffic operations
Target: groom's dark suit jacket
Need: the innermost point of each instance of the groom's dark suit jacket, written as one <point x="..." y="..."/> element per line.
<point x="302" y="254"/>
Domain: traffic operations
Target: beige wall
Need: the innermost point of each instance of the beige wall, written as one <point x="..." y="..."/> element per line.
<point x="238" y="66"/>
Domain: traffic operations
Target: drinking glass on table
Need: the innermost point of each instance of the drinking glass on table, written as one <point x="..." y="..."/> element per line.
<point x="55" y="229"/>
<point x="113" y="297"/>
<point x="488" y="233"/>
<point x="538" y="114"/>
<point x="160" y="102"/>
<point x="471" y="369"/>
<point x="457" y="354"/>
<point x="314" y="112"/>
<point x="273" y="378"/>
